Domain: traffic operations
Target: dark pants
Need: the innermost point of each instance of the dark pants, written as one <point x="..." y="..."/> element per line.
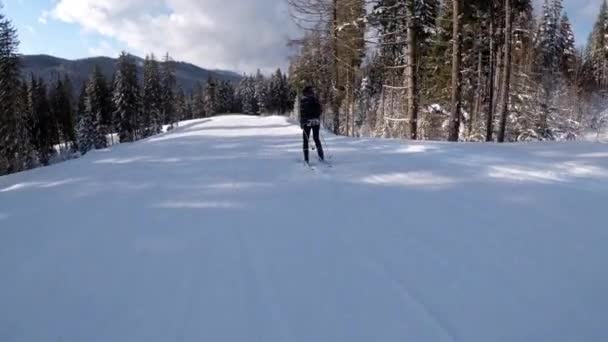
<point x="315" y="134"/>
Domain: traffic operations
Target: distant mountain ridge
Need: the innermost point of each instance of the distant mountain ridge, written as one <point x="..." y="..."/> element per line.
<point x="50" y="67"/>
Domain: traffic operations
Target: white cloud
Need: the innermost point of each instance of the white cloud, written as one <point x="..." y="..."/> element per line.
<point x="30" y="29"/>
<point x="43" y="18"/>
<point x="228" y="34"/>
<point x="103" y="49"/>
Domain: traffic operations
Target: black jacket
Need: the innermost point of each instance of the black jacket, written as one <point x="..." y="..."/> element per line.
<point x="310" y="109"/>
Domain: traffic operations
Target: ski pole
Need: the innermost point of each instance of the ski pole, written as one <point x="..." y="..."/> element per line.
<point x="325" y="147"/>
<point x="308" y="139"/>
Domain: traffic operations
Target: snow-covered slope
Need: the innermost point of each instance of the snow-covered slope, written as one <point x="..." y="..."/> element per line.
<point x="595" y="136"/>
<point x="215" y="232"/>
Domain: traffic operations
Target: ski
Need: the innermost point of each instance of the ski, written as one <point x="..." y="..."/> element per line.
<point x="309" y="166"/>
<point x="327" y="164"/>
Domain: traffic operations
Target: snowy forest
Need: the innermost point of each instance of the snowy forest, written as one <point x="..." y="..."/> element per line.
<point x="474" y="70"/>
<point x="43" y="123"/>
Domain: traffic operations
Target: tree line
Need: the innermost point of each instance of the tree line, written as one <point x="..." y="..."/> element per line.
<point x="42" y="122"/>
<point x="474" y="70"/>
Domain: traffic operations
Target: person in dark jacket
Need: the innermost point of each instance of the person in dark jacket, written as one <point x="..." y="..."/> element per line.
<point x="310" y="120"/>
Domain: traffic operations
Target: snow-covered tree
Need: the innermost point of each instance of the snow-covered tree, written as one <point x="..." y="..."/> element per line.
<point x="568" y="62"/>
<point x="62" y="110"/>
<point x="548" y="62"/>
<point x="27" y="157"/>
<point x="126" y="98"/>
<point x="9" y="81"/>
<point x="595" y="70"/>
<point x="168" y="91"/>
<point x="278" y="93"/>
<point x="225" y="97"/>
<point x="45" y="123"/>
<point x="211" y="97"/>
<point x="91" y="131"/>
<point x="198" y="101"/>
<point x="153" y="97"/>
<point x="261" y="93"/>
<point x="247" y="95"/>
<point x="182" y="106"/>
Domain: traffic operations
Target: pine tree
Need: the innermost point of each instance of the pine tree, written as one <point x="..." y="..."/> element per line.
<point x="9" y="81"/>
<point x="247" y="95"/>
<point x="523" y="97"/>
<point x="126" y="98"/>
<point x="506" y="75"/>
<point x="548" y="63"/>
<point x="225" y="97"/>
<point x="62" y="111"/>
<point x="80" y="105"/>
<point x="596" y="57"/>
<point x="182" y="111"/>
<point x="27" y="157"/>
<point x="237" y="104"/>
<point x="595" y="70"/>
<point x="454" y="131"/>
<point x="91" y="131"/>
<point x="152" y="106"/>
<point x="168" y="91"/>
<point x="567" y="49"/>
<point x="45" y="123"/>
<point x="405" y="31"/>
<point x="277" y="95"/>
<point x="211" y="97"/>
<point x="198" y="101"/>
<point x="285" y="95"/>
<point x="261" y="93"/>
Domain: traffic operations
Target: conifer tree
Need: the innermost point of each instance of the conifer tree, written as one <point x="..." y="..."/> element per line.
<point x="225" y="97"/>
<point x="152" y="98"/>
<point x="211" y="97"/>
<point x="595" y="70"/>
<point x="91" y="131"/>
<point x="247" y="95"/>
<point x="9" y="81"/>
<point x="548" y="62"/>
<point x="261" y="93"/>
<point x="45" y="125"/>
<point x="567" y="49"/>
<point x="26" y="155"/>
<point x="182" y="111"/>
<point x="168" y="91"/>
<point x="62" y="110"/>
<point x="126" y="98"/>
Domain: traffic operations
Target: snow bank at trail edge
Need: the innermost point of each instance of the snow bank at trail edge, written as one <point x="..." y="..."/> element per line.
<point x="215" y="232"/>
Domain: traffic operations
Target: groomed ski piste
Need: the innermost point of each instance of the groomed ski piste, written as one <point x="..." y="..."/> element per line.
<point x="216" y="232"/>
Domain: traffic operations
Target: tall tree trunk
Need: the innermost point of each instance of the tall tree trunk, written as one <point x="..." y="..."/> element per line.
<point x="506" y="77"/>
<point x="478" y="90"/>
<point x="347" y="101"/>
<point x="411" y="81"/>
<point x="456" y="75"/>
<point x="498" y="72"/>
<point x="352" y="96"/>
<point x="352" y="104"/>
<point x="336" y="70"/>
<point x="490" y="117"/>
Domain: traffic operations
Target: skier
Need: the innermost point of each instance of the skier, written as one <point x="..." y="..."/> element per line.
<point x="310" y="119"/>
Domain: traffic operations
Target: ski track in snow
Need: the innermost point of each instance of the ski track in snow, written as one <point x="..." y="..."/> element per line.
<point x="212" y="232"/>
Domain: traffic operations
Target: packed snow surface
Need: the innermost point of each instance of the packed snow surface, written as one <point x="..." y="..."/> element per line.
<point x="216" y="232"/>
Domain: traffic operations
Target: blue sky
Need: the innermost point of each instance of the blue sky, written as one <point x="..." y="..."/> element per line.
<point x="228" y="34"/>
<point x="583" y="14"/>
<point x="54" y="37"/>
